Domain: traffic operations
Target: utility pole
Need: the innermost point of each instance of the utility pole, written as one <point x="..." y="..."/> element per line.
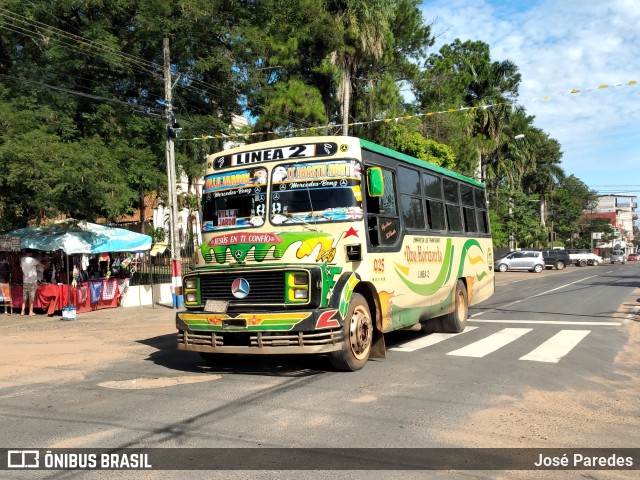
<point x="176" y="260"/>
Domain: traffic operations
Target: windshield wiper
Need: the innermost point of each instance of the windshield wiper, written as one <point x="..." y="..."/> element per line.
<point x="319" y="215"/>
<point x="294" y="219"/>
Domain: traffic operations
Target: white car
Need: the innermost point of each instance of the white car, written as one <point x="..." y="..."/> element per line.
<point x="583" y="259"/>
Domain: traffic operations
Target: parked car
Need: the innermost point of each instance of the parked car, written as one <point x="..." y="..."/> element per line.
<point x="633" y="257"/>
<point x="584" y="257"/>
<point x="556" y="258"/>
<point x="521" y="260"/>
<point x="618" y="256"/>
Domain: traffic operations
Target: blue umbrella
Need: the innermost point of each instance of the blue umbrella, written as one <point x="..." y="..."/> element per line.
<point x="76" y="236"/>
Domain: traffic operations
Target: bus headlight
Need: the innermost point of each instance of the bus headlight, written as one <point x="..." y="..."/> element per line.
<point x="297" y="287"/>
<point x="300" y="294"/>
<point x="192" y="297"/>
<point x="191" y="293"/>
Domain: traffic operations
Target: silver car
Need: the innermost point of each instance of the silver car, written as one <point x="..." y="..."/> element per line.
<point x="522" y="260"/>
<point x="618" y="256"/>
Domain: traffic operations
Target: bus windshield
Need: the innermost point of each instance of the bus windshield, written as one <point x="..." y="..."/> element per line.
<point x="316" y="192"/>
<point x="234" y="199"/>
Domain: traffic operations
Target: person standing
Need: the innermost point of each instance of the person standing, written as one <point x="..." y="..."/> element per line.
<point x="29" y="281"/>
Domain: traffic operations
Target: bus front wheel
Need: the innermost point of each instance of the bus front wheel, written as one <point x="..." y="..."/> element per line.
<point x="358" y="337"/>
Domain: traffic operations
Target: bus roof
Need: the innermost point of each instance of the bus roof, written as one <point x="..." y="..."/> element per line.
<point x="416" y="161"/>
<point x="365" y="144"/>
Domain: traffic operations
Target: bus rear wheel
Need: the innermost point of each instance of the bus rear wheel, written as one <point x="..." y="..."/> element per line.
<point x="358" y="337"/>
<point x="456" y="321"/>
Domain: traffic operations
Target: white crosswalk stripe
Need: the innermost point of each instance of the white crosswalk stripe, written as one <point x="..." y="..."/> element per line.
<point x="428" y="340"/>
<point x="491" y="343"/>
<point x="550" y="351"/>
<point x="557" y="346"/>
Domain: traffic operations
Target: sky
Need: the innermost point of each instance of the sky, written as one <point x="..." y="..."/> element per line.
<point x="559" y="46"/>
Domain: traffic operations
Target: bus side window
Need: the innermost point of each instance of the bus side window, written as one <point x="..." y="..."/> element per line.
<point x="383" y="231"/>
<point x="388" y="200"/>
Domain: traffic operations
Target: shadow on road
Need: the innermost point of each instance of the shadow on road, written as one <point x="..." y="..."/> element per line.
<point x="168" y="356"/>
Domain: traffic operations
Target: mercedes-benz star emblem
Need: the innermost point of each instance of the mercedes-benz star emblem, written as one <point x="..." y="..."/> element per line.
<point x="240" y="288"/>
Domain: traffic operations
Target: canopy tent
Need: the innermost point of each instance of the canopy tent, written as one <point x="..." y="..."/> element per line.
<point x="76" y="236"/>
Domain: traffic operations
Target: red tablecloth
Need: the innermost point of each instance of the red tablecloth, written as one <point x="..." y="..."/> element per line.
<point x="53" y="297"/>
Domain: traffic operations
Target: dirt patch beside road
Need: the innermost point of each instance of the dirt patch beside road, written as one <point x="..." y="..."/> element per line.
<point x="48" y="349"/>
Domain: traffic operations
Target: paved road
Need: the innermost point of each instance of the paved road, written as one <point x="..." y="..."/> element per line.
<point x="550" y="360"/>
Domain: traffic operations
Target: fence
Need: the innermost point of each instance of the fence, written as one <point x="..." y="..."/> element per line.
<point x="151" y="270"/>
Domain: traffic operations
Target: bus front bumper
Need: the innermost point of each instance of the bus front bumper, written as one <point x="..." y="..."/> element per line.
<point x="312" y="332"/>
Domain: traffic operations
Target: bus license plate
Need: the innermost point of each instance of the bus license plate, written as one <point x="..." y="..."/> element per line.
<point x="216" y="306"/>
<point x="234" y="323"/>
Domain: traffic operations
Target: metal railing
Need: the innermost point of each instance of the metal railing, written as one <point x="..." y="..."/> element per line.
<point x="149" y="270"/>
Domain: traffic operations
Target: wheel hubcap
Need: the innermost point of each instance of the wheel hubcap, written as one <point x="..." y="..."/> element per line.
<point x="360" y="333"/>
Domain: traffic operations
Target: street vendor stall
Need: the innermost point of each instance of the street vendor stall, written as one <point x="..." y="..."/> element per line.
<point x="87" y="269"/>
<point x="9" y="246"/>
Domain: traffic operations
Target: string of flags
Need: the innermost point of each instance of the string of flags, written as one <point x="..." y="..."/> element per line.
<point x="397" y="119"/>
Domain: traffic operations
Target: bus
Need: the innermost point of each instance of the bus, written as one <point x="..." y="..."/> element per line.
<point x="322" y="245"/>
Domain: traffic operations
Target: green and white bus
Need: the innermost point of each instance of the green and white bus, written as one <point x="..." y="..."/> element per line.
<point x="322" y="245"/>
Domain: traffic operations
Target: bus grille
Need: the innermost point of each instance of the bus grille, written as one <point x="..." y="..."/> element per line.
<point x="229" y="258"/>
<point x="266" y="287"/>
<point x="260" y="339"/>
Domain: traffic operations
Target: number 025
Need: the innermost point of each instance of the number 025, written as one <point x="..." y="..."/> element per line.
<point x="378" y="265"/>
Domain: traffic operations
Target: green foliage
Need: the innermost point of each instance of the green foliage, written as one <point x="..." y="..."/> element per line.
<point x="566" y="205"/>
<point x="515" y="213"/>
<point x="499" y="231"/>
<point x="291" y="103"/>
<point x="82" y="125"/>
<point x="159" y="235"/>
<point x="414" y="144"/>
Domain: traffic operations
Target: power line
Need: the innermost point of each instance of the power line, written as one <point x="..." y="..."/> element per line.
<point x="16" y="17"/>
<point x="137" y="63"/>
<point x="137" y="108"/>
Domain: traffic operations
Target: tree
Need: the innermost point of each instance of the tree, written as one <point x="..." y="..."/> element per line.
<point x="463" y="75"/>
<point x="378" y="83"/>
<point x="567" y="204"/>
<point x="364" y="25"/>
<point x="516" y="213"/>
<point x="290" y="104"/>
<point x="84" y="88"/>
<point x="406" y="140"/>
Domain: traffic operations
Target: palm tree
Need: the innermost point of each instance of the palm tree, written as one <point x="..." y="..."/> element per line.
<point x="364" y="25"/>
<point x="544" y="172"/>
<point x="493" y="87"/>
<point x="509" y="162"/>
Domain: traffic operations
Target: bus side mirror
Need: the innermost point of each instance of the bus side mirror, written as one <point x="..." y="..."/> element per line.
<point x="375" y="183"/>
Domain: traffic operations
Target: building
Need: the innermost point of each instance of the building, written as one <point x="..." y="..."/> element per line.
<point x="619" y="211"/>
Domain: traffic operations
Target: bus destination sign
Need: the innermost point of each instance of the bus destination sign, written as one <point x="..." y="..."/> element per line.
<point x="275" y="154"/>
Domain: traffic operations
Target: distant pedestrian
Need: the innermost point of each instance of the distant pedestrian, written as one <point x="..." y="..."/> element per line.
<point x="29" y="281"/>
